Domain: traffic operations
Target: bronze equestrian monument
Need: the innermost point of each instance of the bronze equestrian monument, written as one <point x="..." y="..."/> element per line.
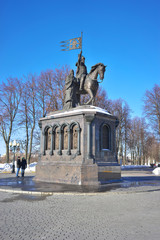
<point x="78" y="143"/>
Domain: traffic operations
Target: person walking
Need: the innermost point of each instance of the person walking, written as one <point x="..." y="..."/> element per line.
<point x="23" y="166"/>
<point x="18" y="165"/>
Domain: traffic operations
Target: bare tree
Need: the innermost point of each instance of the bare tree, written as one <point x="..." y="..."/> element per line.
<point x="121" y="109"/>
<point x="152" y="149"/>
<point x="152" y="110"/>
<point x="152" y="107"/>
<point x="10" y="96"/>
<point x="138" y="140"/>
<point x="29" y="113"/>
<point x="51" y="86"/>
<point x="102" y="100"/>
<point x="43" y="94"/>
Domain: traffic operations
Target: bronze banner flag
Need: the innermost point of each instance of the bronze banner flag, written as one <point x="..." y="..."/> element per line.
<point x="71" y="44"/>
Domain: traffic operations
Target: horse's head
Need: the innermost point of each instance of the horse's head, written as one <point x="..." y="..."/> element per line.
<point x="101" y="70"/>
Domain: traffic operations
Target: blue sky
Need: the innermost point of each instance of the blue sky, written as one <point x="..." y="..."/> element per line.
<point x="123" y="34"/>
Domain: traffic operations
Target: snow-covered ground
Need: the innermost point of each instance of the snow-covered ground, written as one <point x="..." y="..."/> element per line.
<point x="133" y="166"/>
<point x="7" y="167"/>
<point x="156" y="171"/>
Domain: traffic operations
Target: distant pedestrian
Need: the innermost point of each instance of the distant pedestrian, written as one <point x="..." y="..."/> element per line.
<point x="18" y="165"/>
<point x="23" y="166"/>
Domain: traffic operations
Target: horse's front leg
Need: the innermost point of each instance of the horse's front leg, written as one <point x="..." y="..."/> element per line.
<point x="93" y="101"/>
<point x="94" y="95"/>
<point x="91" y="97"/>
<point x="78" y="99"/>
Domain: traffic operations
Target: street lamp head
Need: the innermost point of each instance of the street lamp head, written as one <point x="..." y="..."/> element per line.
<point x="10" y="144"/>
<point x="14" y="143"/>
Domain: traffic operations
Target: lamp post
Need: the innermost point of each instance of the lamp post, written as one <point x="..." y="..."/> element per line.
<point x="13" y="147"/>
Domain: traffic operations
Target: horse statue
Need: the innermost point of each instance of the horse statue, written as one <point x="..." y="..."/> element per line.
<point x="83" y="83"/>
<point x="91" y="83"/>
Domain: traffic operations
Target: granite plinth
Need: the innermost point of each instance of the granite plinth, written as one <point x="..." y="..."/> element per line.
<point x="78" y="147"/>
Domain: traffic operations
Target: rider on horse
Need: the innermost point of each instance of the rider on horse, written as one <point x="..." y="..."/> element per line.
<point x="81" y="70"/>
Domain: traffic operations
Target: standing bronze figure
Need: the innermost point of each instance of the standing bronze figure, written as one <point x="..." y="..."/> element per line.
<point x="70" y="94"/>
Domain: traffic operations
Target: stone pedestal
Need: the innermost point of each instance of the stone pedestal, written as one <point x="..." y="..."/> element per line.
<point x="78" y="147"/>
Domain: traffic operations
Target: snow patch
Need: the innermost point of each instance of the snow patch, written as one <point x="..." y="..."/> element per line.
<point x="7" y="167"/>
<point x="90" y="109"/>
<point x="133" y="166"/>
<point x="156" y="171"/>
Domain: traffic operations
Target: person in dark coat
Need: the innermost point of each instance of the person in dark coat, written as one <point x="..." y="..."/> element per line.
<point x="23" y="166"/>
<point x="18" y="165"/>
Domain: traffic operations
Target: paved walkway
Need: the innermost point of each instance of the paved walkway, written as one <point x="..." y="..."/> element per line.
<point x="125" y="213"/>
<point x="130" y="179"/>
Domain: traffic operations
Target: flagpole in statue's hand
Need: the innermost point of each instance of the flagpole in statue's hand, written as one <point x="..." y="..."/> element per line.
<point x="80" y="55"/>
<point x="79" y="58"/>
<point x="81" y="40"/>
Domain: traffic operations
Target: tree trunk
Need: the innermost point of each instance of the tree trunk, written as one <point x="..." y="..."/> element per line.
<point x="30" y="148"/>
<point x="31" y="140"/>
<point x="7" y="152"/>
<point x="27" y="141"/>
